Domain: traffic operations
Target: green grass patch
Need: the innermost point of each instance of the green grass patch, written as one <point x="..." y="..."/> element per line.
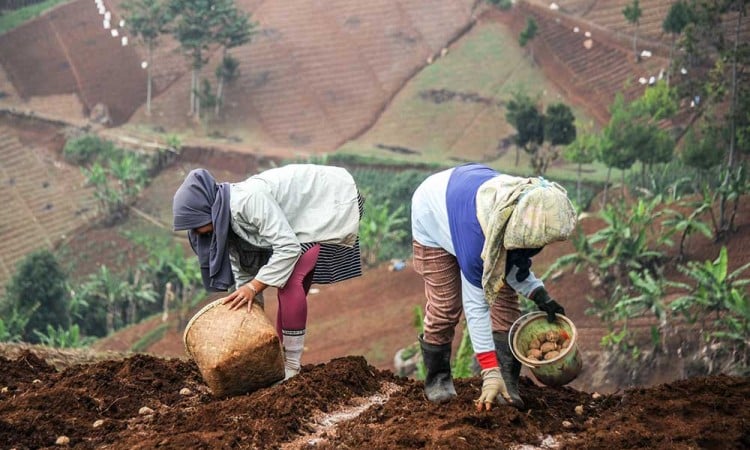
<point x="13" y="19"/>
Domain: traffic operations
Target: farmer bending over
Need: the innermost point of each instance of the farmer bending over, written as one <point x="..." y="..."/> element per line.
<point x="474" y="233"/>
<point x="287" y="228"/>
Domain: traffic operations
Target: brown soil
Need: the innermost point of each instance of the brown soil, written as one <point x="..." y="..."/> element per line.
<point x="41" y="404"/>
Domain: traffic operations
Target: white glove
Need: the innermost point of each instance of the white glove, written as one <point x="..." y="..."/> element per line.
<point x="492" y="386"/>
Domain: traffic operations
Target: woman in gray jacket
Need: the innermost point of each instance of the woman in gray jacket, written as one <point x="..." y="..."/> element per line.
<point x="287" y="227"/>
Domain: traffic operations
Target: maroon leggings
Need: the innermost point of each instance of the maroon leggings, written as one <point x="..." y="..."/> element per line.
<point x="292" y="312"/>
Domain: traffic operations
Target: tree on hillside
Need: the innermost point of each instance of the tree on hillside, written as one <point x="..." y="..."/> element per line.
<point x="235" y="30"/>
<point x="39" y="289"/>
<point x="195" y="23"/>
<point x="534" y="128"/>
<point x="559" y="130"/>
<point x="527" y="35"/>
<point x="581" y="151"/>
<point x="658" y="102"/>
<point x="201" y="24"/>
<point x="679" y="16"/>
<point x="525" y="117"/>
<point x="633" y="13"/>
<point x="633" y="134"/>
<point x="703" y="148"/>
<point x="227" y="71"/>
<point x="148" y="20"/>
<point x="616" y="150"/>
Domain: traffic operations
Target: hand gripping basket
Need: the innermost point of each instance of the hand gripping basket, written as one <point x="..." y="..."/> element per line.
<point x="236" y="351"/>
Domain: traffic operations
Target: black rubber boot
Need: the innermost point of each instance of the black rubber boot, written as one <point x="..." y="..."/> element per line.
<point x="510" y="368"/>
<point x="438" y="384"/>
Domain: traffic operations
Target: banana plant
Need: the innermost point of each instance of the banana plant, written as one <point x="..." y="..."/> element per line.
<point x="379" y="225"/>
<point x="648" y="299"/>
<point x="63" y="338"/>
<point x="687" y="224"/>
<point x="717" y="295"/>
<point x="13" y="323"/>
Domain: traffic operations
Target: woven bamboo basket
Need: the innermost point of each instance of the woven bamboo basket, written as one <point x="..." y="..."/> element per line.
<point x="236" y="351"/>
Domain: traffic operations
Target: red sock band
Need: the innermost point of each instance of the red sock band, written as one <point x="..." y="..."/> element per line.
<point x="487" y="360"/>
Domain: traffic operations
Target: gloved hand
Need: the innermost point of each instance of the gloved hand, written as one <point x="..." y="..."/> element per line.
<point x="546" y="304"/>
<point x="492" y="386"/>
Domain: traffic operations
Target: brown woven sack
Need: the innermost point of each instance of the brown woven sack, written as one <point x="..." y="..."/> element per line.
<point x="236" y="351"/>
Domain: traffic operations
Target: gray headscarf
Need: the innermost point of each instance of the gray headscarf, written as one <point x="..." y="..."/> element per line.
<point x="198" y="202"/>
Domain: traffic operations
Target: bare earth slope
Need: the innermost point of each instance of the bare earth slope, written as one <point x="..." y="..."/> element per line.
<point x="308" y="65"/>
<point x="68" y="51"/>
<point x="318" y="73"/>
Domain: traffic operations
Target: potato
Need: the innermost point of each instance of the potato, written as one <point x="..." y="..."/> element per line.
<point x="552" y="336"/>
<point x="548" y="347"/>
<point x="534" y="353"/>
<point x="565" y="344"/>
<point x="542" y="338"/>
<point x="535" y="344"/>
<point x="550" y="355"/>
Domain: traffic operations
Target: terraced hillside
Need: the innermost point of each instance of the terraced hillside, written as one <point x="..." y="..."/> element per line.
<point x="607" y="14"/>
<point x="455" y="107"/>
<point x="590" y="63"/>
<point x="318" y="73"/>
<point x="67" y="51"/>
<point x="44" y="199"/>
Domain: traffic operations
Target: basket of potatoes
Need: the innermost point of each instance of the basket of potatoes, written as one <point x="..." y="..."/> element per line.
<point x="550" y="350"/>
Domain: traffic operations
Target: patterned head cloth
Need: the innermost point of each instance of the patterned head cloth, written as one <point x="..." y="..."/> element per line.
<point x="519" y="213"/>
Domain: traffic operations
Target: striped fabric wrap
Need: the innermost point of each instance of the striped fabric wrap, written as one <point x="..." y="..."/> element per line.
<point x="338" y="262"/>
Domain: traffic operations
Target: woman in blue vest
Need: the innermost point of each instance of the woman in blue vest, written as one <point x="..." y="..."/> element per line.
<point x="474" y="234"/>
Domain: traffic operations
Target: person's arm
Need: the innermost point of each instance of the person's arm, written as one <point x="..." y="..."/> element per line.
<point x="523" y="285"/>
<point x="479" y="323"/>
<point x="264" y="217"/>
<point x="533" y="288"/>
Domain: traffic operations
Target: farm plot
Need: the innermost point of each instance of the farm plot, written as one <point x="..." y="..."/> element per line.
<point x="146" y="402"/>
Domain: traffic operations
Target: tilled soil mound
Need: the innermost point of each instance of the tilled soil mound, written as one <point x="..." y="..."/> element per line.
<point x="348" y="404"/>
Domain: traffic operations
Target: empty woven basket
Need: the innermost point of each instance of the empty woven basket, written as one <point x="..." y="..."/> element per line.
<point x="236" y="351"/>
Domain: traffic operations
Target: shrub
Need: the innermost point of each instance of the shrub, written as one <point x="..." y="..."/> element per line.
<point x="719" y="301"/>
<point x="38" y="290"/>
<point x="87" y="149"/>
